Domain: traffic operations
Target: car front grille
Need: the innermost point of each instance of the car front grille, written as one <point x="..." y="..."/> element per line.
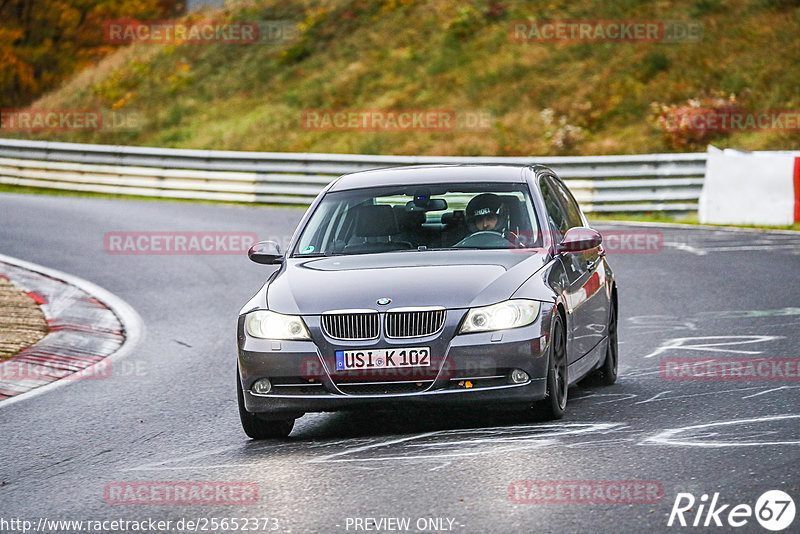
<point x="351" y="325"/>
<point x="413" y="323"/>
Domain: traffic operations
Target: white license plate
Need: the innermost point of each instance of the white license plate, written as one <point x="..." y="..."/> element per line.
<point x="382" y="358"/>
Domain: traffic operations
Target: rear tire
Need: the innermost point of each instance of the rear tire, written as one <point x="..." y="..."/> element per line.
<point x="256" y="428"/>
<point x="555" y="401"/>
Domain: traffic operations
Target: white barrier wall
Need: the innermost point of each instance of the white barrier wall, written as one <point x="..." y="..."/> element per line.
<point x="629" y="183"/>
<point x="750" y="188"/>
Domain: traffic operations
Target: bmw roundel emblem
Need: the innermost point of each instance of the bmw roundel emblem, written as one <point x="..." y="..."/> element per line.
<point x="384" y="301"/>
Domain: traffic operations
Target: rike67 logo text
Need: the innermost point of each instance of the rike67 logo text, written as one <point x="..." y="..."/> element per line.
<point x="774" y="510"/>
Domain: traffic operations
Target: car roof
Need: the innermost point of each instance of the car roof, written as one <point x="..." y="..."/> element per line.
<point x="431" y="174"/>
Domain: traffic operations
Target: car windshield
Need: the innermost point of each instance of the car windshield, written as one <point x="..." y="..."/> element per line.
<point x="421" y="217"/>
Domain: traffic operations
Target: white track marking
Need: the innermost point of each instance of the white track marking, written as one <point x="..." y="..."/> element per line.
<point x="661" y="396"/>
<point x="680" y="343"/>
<point x="622" y="397"/>
<point x="484" y="442"/>
<point x="155" y="466"/>
<point x="771" y="390"/>
<point x="654" y="397"/>
<point x="672" y="436"/>
<point x="375" y="445"/>
<point x="632" y="375"/>
<point x="686" y="248"/>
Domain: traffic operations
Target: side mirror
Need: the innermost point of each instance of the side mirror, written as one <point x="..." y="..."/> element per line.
<point x="579" y="239"/>
<point x="266" y="252"/>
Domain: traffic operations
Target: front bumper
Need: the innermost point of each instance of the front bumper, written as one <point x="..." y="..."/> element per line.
<point x="466" y="369"/>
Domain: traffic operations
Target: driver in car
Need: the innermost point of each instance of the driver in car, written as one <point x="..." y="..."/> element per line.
<point x="485" y="213"/>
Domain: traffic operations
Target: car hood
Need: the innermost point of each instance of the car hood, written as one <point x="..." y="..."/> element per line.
<point x="453" y="279"/>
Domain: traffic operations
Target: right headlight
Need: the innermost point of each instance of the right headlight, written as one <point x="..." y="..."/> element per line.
<point x="501" y="316"/>
<point x="268" y="324"/>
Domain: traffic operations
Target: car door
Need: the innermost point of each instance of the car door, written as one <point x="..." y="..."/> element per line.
<point x="591" y="297"/>
<point x="585" y="278"/>
<point x="558" y="222"/>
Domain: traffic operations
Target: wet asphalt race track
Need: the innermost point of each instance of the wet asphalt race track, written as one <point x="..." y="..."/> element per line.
<point x="168" y="412"/>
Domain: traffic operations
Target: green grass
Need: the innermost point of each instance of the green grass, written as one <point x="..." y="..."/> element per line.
<point x="544" y="98"/>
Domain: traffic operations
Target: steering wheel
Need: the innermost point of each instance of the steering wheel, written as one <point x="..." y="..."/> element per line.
<point x="484" y="239"/>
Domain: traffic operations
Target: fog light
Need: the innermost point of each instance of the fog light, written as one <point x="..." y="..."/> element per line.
<point x="518" y="376"/>
<point x="262" y="386"/>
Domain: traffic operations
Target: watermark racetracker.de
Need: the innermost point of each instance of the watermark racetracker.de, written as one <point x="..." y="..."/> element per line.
<point x="727" y="121"/>
<point x="701" y="369"/>
<point x="69" y="120"/>
<point x="181" y="493"/>
<point x="598" y="30"/>
<point x="395" y="120"/>
<point x="632" y="241"/>
<point x="145" y="524"/>
<point x="14" y="370"/>
<point x="161" y="32"/>
<point x="614" y="241"/>
<point x="585" y="492"/>
<point x="178" y="242"/>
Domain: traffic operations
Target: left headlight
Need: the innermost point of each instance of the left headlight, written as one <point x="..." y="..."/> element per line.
<point x="500" y="316"/>
<point x="271" y="325"/>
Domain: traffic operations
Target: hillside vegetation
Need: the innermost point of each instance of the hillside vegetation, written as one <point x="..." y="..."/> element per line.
<point x="43" y="42"/>
<point x="533" y="98"/>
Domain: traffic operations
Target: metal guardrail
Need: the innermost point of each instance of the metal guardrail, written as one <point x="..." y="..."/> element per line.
<point x="649" y="182"/>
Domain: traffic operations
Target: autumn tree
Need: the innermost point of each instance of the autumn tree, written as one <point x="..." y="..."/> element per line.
<point x="44" y="41"/>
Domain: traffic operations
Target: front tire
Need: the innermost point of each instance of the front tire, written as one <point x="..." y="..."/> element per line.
<point x="555" y="401"/>
<point x="606" y="374"/>
<point x="256" y="428"/>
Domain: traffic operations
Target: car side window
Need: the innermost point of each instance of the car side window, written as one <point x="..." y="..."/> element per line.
<point x="573" y="212"/>
<point x="556" y="214"/>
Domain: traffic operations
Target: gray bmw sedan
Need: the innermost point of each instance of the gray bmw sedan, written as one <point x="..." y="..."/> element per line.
<point x="462" y="284"/>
